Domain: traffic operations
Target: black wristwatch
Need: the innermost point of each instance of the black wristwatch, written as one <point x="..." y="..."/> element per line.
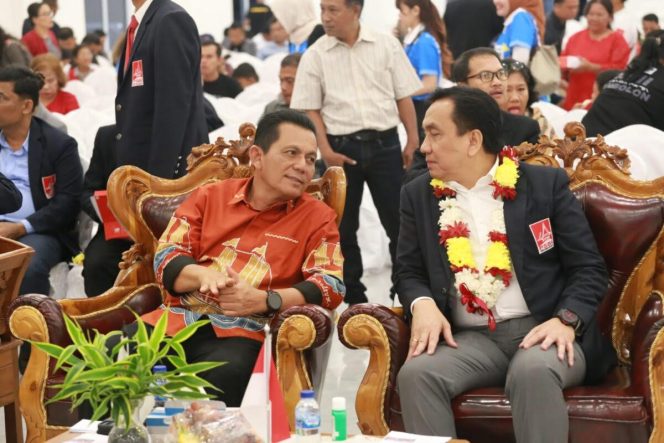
<point x="569" y="318"/>
<point x="273" y="301"/>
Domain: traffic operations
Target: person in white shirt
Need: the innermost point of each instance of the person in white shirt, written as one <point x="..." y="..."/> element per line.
<point x="625" y="22"/>
<point x="356" y="85"/>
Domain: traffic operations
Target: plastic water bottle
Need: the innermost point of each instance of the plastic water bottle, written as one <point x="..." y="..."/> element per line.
<point x="339" y="419"/>
<point x="159" y="401"/>
<point x="307" y="419"/>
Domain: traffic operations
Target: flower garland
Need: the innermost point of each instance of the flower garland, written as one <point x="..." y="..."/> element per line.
<point x="479" y="291"/>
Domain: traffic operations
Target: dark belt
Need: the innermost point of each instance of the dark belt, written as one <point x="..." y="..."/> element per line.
<point x="367" y="135"/>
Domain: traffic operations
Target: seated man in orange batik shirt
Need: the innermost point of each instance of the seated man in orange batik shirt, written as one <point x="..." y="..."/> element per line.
<point x="252" y="247"/>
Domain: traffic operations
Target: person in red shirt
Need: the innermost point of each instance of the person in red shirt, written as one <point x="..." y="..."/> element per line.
<point x="592" y="50"/>
<point x="52" y="95"/>
<point x="41" y="40"/>
<point x="249" y="248"/>
<point x="81" y="63"/>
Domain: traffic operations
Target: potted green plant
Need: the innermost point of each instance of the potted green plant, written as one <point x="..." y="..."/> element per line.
<point x="117" y="384"/>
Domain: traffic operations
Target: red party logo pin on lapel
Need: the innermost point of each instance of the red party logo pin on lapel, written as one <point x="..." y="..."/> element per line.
<point x="543" y="235"/>
<point x="49" y="186"/>
<point x="137" y="73"/>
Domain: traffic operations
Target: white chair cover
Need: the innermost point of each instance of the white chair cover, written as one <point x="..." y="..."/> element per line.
<point x="269" y="73"/>
<point x="84" y="93"/>
<point x="237" y="58"/>
<point x="103" y="81"/>
<point x="259" y="93"/>
<point x="645" y="146"/>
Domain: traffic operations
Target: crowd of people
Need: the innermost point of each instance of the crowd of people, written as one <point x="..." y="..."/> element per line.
<point x="461" y="87"/>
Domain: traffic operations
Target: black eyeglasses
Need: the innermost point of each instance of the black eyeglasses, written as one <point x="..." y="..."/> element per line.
<point x="487" y="76"/>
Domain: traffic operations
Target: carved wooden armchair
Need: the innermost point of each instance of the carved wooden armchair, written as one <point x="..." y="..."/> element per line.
<point x="627" y="218"/>
<point x="144" y="205"/>
<point x="14" y="259"/>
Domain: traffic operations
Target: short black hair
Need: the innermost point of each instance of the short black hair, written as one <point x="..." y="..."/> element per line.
<point x="291" y="60"/>
<point x="245" y="70"/>
<point x="650" y="18"/>
<point x="474" y="109"/>
<point x="267" y="131"/>
<point x="461" y="69"/>
<point x="212" y="43"/>
<point x="91" y="39"/>
<point x="27" y="84"/>
<point x="236" y="25"/>
<point x="606" y="3"/>
<point x="65" y="33"/>
<point x="99" y="33"/>
<point x="359" y="3"/>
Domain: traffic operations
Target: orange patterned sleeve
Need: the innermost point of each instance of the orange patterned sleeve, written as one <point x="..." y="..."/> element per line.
<point x="323" y="266"/>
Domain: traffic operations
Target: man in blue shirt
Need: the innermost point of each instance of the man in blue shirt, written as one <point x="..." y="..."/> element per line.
<point x="44" y="165"/>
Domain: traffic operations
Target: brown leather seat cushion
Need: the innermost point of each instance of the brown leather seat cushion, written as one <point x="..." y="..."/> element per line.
<point x="484" y="415"/>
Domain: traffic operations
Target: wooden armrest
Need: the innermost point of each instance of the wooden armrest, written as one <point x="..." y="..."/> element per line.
<point x="647" y="354"/>
<point x="385" y="334"/>
<point x="40" y="318"/>
<point x="298" y="331"/>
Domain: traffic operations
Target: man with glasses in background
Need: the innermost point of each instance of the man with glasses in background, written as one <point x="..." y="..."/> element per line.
<point x="481" y="68"/>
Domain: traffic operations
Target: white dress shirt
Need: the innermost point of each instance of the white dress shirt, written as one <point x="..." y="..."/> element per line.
<point x="477" y="204"/>
<point x="140" y="13"/>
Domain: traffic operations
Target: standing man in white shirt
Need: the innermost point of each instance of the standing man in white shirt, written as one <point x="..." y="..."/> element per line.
<point x="356" y="84"/>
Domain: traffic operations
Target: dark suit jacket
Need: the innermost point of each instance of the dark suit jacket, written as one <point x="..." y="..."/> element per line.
<point x="518" y="129"/>
<point x="102" y="164"/>
<point x="159" y="121"/>
<point x="53" y="161"/>
<point x="571" y="275"/>
<point x="463" y="15"/>
<point x="10" y="197"/>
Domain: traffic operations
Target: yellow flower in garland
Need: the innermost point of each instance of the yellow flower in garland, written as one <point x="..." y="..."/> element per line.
<point x="498" y="256"/>
<point x="437" y="183"/>
<point x="460" y="252"/>
<point x="507" y="173"/>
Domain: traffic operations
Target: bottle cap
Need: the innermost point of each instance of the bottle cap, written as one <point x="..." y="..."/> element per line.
<point x="159" y="368"/>
<point x="338" y="403"/>
<point x="307" y="394"/>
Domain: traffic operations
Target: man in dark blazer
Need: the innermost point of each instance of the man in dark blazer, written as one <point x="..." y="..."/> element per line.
<point x="10" y="197"/>
<point x="100" y="267"/>
<point x="482" y="69"/>
<point x="159" y="104"/>
<point x="545" y="337"/>
<point x="44" y="165"/>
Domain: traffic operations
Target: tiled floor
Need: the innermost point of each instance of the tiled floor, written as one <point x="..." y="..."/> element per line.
<point x="346" y="367"/>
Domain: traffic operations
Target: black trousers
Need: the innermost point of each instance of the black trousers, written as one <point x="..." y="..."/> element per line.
<point x="380" y="165"/>
<point x="100" y="268"/>
<point x="238" y="353"/>
<point x="418" y="166"/>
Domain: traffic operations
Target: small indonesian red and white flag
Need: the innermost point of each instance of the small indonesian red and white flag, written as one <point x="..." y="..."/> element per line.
<point x="263" y="403"/>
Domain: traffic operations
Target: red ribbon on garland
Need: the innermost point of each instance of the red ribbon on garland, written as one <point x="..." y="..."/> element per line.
<point x="475" y="305"/>
<point x="444" y="192"/>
